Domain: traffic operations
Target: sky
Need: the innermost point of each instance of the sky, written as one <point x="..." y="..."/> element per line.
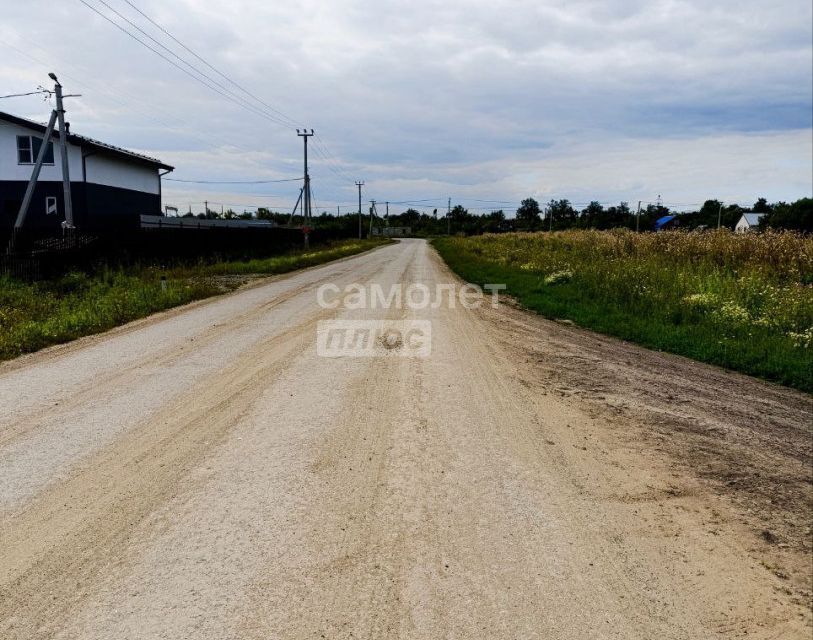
<point x="481" y="101"/>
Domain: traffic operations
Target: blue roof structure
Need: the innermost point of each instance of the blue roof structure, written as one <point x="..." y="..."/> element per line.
<point x="660" y="223"/>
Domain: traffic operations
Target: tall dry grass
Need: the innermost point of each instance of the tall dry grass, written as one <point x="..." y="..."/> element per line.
<point x="741" y="300"/>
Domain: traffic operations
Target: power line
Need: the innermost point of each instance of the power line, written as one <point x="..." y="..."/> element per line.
<point x="332" y="163"/>
<point x="237" y="101"/>
<point x="232" y="181"/>
<point x="332" y="158"/>
<point x="328" y="164"/>
<point x="415" y="201"/>
<point x="196" y="74"/>
<point x="30" y="93"/>
<point x="291" y="121"/>
<point x="208" y="80"/>
<point x="187" y="63"/>
<point x="130" y="103"/>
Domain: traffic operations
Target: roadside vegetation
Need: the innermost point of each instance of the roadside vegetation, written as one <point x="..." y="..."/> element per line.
<point x="741" y="301"/>
<point x="38" y="314"/>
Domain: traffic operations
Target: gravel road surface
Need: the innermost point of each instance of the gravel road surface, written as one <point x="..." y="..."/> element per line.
<point x="205" y="473"/>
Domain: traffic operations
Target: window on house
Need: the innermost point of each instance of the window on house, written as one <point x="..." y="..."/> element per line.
<point x="28" y="147"/>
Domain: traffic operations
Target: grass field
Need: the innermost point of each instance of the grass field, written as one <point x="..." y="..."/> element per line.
<point x="744" y="302"/>
<point x="40" y="314"/>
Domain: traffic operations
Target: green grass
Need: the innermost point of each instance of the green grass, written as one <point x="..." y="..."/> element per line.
<point x="741" y="302"/>
<point x="40" y="314"/>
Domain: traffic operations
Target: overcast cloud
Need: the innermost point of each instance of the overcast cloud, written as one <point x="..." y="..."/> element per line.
<point x="476" y="100"/>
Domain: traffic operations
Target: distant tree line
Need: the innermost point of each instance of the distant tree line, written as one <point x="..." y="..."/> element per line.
<point x="555" y="215"/>
<point x="560" y="214"/>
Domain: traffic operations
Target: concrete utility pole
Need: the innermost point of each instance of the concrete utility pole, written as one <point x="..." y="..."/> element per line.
<point x="63" y="153"/>
<point x="306" y="199"/>
<point x="720" y="215"/>
<point x="35" y="174"/>
<point x="373" y="212"/>
<point x="293" y="211"/>
<point x="359" y="184"/>
<point x="638" y="218"/>
<point x="449" y="217"/>
<point x="57" y="115"/>
<point x="388" y="208"/>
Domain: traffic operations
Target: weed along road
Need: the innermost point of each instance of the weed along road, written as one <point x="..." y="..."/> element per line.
<point x="251" y="467"/>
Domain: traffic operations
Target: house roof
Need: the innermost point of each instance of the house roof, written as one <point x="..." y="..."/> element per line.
<point x="752" y="218"/>
<point x="660" y="222"/>
<point x="84" y="141"/>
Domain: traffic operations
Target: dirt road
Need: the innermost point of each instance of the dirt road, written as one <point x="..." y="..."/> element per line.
<point x="205" y="474"/>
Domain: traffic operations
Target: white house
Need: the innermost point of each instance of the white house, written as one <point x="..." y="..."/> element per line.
<point x="748" y="222"/>
<point x="110" y="187"/>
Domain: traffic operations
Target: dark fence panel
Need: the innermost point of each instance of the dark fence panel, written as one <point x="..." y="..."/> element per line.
<point x="31" y="255"/>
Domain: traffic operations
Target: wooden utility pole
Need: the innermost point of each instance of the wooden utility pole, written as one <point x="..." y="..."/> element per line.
<point x="449" y="217"/>
<point x="638" y="218"/>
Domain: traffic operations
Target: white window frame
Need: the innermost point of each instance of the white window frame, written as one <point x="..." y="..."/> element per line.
<point x="31" y="150"/>
<point x="49" y="200"/>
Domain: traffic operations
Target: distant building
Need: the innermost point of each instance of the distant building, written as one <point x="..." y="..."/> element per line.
<point x="748" y="222"/>
<point x="392" y="232"/>
<point x="666" y="222"/>
<point x="110" y="187"/>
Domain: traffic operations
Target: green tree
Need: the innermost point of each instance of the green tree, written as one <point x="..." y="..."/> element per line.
<point x="592" y="215"/>
<point x="761" y="206"/>
<point x="459" y="213"/>
<point x="493" y="222"/>
<point x="528" y="213"/>
<point x="797" y="216"/>
<point x="561" y="212"/>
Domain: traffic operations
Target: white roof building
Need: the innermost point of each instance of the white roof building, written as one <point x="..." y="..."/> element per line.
<point x="748" y="222"/>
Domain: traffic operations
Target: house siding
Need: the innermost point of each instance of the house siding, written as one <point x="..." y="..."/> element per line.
<point x="103" y="170"/>
<point x="107" y="192"/>
<point x="10" y="170"/>
<point x="96" y="207"/>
